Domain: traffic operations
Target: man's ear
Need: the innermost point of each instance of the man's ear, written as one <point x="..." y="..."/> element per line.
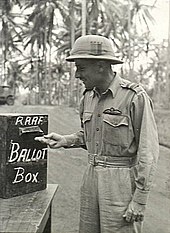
<point x="101" y="66"/>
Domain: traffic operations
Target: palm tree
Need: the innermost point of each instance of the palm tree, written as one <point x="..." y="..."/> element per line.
<point x="41" y="31"/>
<point x="138" y="14"/>
<point x="110" y="18"/>
<point x="40" y="36"/>
<point x="10" y="35"/>
<point x="157" y="69"/>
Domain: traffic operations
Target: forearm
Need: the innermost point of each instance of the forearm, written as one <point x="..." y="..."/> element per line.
<point x="75" y="140"/>
<point x="143" y="175"/>
<point x="148" y="152"/>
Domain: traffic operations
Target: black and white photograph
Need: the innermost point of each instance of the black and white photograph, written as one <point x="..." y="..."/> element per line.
<point x="84" y="116"/>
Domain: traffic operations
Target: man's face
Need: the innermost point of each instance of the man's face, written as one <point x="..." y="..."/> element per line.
<point x="88" y="72"/>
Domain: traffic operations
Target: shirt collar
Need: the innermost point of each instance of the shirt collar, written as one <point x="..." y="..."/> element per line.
<point x="113" y="86"/>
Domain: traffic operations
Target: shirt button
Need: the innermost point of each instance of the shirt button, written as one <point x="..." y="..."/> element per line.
<point x="97" y="129"/>
<point x="99" y="115"/>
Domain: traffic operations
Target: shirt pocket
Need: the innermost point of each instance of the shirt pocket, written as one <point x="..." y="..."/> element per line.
<point x="115" y="129"/>
<point x="87" y="116"/>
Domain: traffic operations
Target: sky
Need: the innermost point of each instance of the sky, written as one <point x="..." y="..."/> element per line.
<point x="161" y="14"/>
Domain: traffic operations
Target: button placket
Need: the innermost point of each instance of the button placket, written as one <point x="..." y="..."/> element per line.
<point x="98" y="125"/>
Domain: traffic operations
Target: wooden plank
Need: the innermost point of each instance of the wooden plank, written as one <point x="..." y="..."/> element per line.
<point x="45" y="221"/>
<point x="27" y="213"/>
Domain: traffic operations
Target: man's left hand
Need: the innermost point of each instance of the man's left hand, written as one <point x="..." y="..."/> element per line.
<point x="134" y="212"/>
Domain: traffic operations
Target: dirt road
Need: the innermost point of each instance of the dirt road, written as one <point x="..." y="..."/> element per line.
<point x="66" y="167"/>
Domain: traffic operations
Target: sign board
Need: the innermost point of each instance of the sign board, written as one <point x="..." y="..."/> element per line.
<point x="23" y="161"/>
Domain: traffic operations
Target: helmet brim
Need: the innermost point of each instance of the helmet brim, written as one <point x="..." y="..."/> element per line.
<point x="112" y="60"/>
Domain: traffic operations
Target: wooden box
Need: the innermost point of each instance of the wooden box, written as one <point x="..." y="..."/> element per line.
<point x="23" y="161"/>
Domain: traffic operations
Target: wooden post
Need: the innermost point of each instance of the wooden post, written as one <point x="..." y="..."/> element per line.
<point x="83" y="33"/>
<point x="71" y="101"/>
<point x="129" y="31"/>
<point x="83" y="17"/>
<point x="168" y="66"/>
<point x="131" y="49"/>
<point x="1" y="52"/>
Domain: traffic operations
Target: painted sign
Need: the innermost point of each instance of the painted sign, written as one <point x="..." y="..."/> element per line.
<point x="23" y="160"/>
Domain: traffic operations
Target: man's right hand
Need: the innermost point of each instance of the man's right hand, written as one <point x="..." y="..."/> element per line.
<point x="53" y="140"/>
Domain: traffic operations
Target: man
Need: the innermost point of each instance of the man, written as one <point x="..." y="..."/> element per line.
<point x="120" y="135"/>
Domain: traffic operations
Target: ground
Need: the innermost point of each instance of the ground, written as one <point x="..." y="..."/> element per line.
<point x="66" y="167"/>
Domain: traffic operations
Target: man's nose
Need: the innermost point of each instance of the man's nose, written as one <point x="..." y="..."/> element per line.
<point x="77" y="75"/>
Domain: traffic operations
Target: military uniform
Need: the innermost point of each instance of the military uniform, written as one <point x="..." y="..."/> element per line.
<point x="120" y="135"/>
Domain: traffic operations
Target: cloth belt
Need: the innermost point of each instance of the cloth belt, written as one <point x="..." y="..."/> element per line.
<point x="111" y="161"/>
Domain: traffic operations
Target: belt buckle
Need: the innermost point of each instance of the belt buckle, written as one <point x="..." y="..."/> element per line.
<point x="93" y="159"/>
<point x="105" y="161"/>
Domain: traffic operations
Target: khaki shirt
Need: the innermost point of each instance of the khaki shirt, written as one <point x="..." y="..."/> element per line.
<point x="120" y="122"/>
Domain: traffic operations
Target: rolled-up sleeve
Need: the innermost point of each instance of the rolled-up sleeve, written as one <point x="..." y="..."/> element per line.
<point x="148" y="146"/>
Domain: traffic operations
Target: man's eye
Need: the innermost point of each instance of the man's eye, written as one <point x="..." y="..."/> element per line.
<point x="80" y="69"/>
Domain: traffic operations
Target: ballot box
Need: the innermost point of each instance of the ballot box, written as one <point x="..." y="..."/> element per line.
<point x="23" y="161"/>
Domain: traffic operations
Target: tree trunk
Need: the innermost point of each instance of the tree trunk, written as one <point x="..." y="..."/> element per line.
<point x="168" y="66"/>
<point x="71" y="101"/>
<point x="49" y="72"/>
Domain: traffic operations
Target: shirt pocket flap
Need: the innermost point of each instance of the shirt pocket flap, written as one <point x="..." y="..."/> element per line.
<point x="116" y="120"/>
<point x="87" y="116"/>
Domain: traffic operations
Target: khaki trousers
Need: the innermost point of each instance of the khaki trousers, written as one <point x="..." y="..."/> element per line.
<point x="105" y="195"/>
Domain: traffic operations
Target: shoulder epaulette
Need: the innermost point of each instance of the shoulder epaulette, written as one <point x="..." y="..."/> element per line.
<point x="132" y="86"/>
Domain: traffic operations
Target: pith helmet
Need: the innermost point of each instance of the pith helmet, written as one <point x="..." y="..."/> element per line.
<point x="93" y="47"/>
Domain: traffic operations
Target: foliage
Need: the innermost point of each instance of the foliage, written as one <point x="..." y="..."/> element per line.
<point x="37" y="36"/>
